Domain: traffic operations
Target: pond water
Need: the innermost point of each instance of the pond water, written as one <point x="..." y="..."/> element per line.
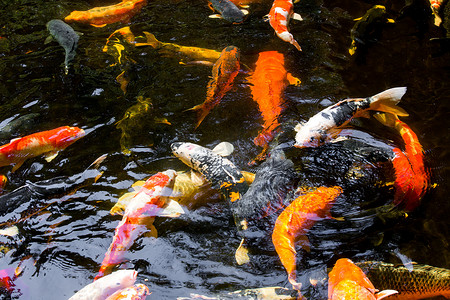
<point x="63" y="238"/>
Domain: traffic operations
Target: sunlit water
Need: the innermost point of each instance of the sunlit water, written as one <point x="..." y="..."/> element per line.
<point x="60" y="246"/>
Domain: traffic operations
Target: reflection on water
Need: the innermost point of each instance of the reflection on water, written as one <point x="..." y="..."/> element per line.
<point x="63" y="237"/>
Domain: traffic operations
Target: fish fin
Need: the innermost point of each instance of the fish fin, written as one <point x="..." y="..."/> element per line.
<point x="390" y="20"/>
<point x="162" y="121"/>
<point x="17" y="165"/>
<point x="296" y="45"/>
<point x="10" y="231"/>
<point x="215" y="16"/>
<point x="293" y="80"/>
<point x="358" y="19"/>
<point x="304" y="242"/>
<point x="197" y="178"/>
<point x="51" y="155"/>
<point x="122" y="203"/>
<point x="98" y="26"/>
<point x="241" y="254"/>
<point x="152" y="231"/>
<point x="172" y="210"/>
<point x="248" y="176"/>
<point x="97" y="162"/>
<point x="49" y="39"/>
<point x="297" y="17"/>
<point x="386" y="118"/>
<point x="15" y="139"/>
<point x="244" y="11"/>
<point x="385" y="293"/>
<point x="223" y="149"/>
<point x="387" y="100"/>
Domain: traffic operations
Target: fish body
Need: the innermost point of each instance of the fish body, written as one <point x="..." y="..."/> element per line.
<point x="224" y="71"/>
<point x="367" y="26"/>
<point x="294" y="222"/>
<point x="280" y="14"/>
<point x="101" y="16"/>
<point x="347" y="281"/>
<point x="106" y="286"/>
<point x="46" y="142"/>
<point x="316" y="131"/>
<point x="267" y="84"/>
<point x="411" y="178"/>
<point x="435" y="6"/>
<point x="66" y="37"/>
<point x="135" y="292"/>
<point x="228" y="11"/>
<point x="419" y="282"/>
<point x="149" y="202"/>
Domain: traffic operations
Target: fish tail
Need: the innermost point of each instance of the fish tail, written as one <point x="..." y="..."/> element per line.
<point x="387" y="101"/>
<point x="202" y="112"/>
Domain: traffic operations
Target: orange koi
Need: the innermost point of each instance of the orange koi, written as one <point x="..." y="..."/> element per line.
<point x="294" y="222"/>
<point x="280" y="14"/>
<point x="46" y="142"/>
<point x="267" y="84"/>
<point x="224" y="71"/>
<point x="152" y="200"/>
<point x="411" y="178"/>
<point x="101" y="16"/>
<point x="347" y="281"/>
<point x="135" y="292"/>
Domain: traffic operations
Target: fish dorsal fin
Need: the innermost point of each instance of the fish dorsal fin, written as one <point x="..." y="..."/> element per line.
<point x="223" y="149"/>
<point x="390" y="20"/>
<point x="138" y="185"/>
<point x="244" y="11"/>
<point x="298" y="127"/>
<point x="386" y="119"/>
<point x="95" y="25"/>
<point x="385" y="293"/>
<point x="17" y="165"/>
<point x="215" y="16"/>
<point x="172" y="210"/>
<point x="15" y="139"/>
<point x="297" y="17"/>
<point x="357" y="19"/>
<point x="162" y="121"/>
<point x="244" y="6"/>
<point x="197" y="178"/>
<point x="293" y="80"/>
<point x="303" y="242"/>
<point x="51" y="155"/>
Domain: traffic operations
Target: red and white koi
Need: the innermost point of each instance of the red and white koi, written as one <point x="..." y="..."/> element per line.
<point x="106" y="286"/>
<point x="280" y="14"/>
<point x="151" y="200"/>
<point x="46" y="142"/>
<point x="325" y="125"/>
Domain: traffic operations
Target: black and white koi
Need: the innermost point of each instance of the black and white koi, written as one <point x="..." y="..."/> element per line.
<point x="317" y="130"/>
<point x="228" y="11"/>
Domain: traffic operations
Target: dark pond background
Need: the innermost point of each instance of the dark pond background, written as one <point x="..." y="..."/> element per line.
<point x="61" y="246"/>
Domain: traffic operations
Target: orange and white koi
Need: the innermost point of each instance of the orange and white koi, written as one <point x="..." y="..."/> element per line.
<point x="151" y="200"/>
<point x="46" y="142"/>
<point x="224" y="71"/>
<point x="325" y="125"/>
<point x="293" y="224"/>
<point x="346" y="281"/>
<point x="411" y="178"/>
<point x="280" y="14"/>
<point x="267" y="84"/>
<point x="106" y="286"/>
<point x="136" y="292"/>
<point x="435" y="6"/>
<point x="101" y="16"/>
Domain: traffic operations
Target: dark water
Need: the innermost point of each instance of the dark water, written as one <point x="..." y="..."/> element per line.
<point x="60" y="246"/>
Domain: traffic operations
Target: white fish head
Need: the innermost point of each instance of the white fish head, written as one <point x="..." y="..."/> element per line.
<point x="184" y="151"/>
<point x="307" y="137"/>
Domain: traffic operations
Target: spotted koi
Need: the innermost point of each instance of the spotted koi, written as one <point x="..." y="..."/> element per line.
<point x="228" y="11"/>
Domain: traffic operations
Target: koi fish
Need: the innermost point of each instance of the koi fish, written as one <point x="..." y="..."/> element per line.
<point x="367" y="25"/>
<point x="347" y="281"/>
<point x="411" y="179"/>
<point x="66" y="37"/>
<point x="136" y="292"/>
<point x="219" y="171"/>
<point x="101" y="16"/>
<point x="228" y="11"/>
<point x="293" y="224"/>
<point x="422" y="282"/>
<point x="46" y="142"/>
<point x="435" y="6"/>
<point x="224" y="71"/>
<point x="280" y="14"/>
<point x="106" y="286"/>
<point x="152" y="200"/>
<point x="185" y="54"/>
<point x="267" y="84"/>
<point x="316" y="131"/>
<point x="134" y="118"/>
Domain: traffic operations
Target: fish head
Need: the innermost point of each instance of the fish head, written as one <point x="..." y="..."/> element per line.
<point x="125" y="278"/>
<point x="306" y="137"/>
<point x="67" y="135"/>
<point x="184" y="151"/>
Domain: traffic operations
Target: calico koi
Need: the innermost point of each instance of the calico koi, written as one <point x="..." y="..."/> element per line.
<point x="294" y="222"/>
<point x="224" y="71"/>
<point x="46" y="142"/>
<point x="411" y="178"/>
<point x="228" y="11"/>
<point x="267" y="84"/>
<point x="325" y="125"/>
<point x="346" y="281"/>
<point x="280" y="14"/>
<point x="152" y="200"/>
<point x="101" y="16"/>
